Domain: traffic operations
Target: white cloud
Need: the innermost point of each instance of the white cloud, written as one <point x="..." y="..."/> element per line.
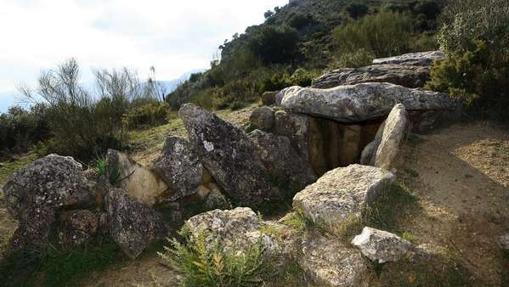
<point x="174" y="36"/>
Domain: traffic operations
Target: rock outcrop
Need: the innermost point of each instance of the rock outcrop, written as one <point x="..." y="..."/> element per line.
<point x="418" y="59"/>
<point x="230" y="157"/>
<point x="179" y="166"/>
<point x="132" y="225"/>
<point x="35" y="193"/>
<point x="284" y="164"/>
<point x="140" y="182"/>
<point x="342" y="195"/>
<point x="262" y="118"/>
<point x="362" y="102"/>
<point x="328" y="262"/>
<point x="382" y="246"/>
<point x="78" y="227"/>
<point x="403" y="75"/>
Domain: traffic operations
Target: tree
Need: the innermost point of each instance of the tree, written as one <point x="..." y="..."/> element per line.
<point x="273" y="45"/>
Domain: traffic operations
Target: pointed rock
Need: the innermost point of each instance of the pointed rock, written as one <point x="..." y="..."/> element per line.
<point x="230" y="157"/>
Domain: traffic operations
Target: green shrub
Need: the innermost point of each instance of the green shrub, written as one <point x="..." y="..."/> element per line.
<point x="355" y="59"/>
<point x="357" y="10"/>
<point x="209" y="265"/>
<point x="274" y="45"/>
<point x="384" y="34"/>
<point x="475" y="36"/>
<point x="149" y="114"/>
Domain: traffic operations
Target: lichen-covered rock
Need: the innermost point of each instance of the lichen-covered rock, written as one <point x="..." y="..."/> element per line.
<point x="262" y="118"/>
<point x="419" y="58"/>
<point x="179" y="166"/>
<point x="133" y="225"/>
<point x="382" y="246"/>
<point x="394" y="132"/>
<point x="78" y="227"/>
<point x="328" y="262"/>
<point x="140" y="183"/>
<point x="284" y="164"/>
<point x="230" y="157"/>
<point x="35" y="193"/>
<point x="342" y="194"/>
<point x="234" y="230"/>
<point x="403" y="75"/>
<point x="362" y="102"/>
<point x="296" y="128"/>
<point x="216" y="200"/>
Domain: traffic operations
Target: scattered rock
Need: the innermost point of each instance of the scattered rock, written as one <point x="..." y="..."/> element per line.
<point x="362" y="102"/>
<point x="140" y="183"/>
<point x="503" y="241"/>
<point x="35" y="193"/>
<point x="328" y="262"/>
<point x="284" y="164"/>
<point x="342" y="194"/>
<point x="262" y="118"/>
<point x="234" y="230"/>
<point x="216" y="200"/>
<point x="269" y="98"/>
<point x="381" y="246"/>
<point x="230" y="157"/>
<point x="407" y="76"/>
<point x="179" y="166"/>
<point x="419" y="58"/>
<point x="394" y="132"/>
<point x="78" y="227"/>
<point x="133" y="225"/>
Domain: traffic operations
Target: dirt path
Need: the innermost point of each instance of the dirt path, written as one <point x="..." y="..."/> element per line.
<point x="460" y="175"/>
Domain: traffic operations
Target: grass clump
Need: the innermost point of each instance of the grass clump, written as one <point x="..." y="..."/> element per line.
<point x="208" y="264"/>
<point x="56" y="267"/>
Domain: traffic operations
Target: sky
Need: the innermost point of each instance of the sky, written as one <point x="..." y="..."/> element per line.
<point x="173" y="36"/>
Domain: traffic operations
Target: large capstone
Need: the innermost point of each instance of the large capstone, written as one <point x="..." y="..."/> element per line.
<point x="418" y="59"/>
<point x="35" y="193"/>
<point x="286" y="167"/>
<point x="342" y="195"/>
<point x="140" y="183"/>
<point x="230" y="157"/>
<point x="382" y="246"/>
<point x="407" y="76"/>
<point x="362" y="102"/>
<point x="328" y="262"/>
<point x="179" y="166"/>
<point x="132" y="224"/>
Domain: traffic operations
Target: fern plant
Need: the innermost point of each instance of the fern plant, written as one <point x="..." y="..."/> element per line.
<point x="208" y="264"/>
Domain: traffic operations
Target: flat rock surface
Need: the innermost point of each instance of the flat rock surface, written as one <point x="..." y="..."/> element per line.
<point x="419" y="58"/>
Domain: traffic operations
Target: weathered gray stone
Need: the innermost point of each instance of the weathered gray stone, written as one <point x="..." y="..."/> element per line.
<point x="284" y="164"/>
<point x="419" y="58"/>
<point x="230" y="157"/>
<point x="262" y="118"/>
<point x="179" y="166"/>
<point x="234" y="230"/>
<point x="140" y="183"/>
<point x="503" y="241"/>
<point x="342" y="194"/>
<point x="382" y="246"/>
<point x="404" y="75"/>
<point x="368" y="155"/>
<point x="35" y="193"/>
<point x="394" y="133"/>
<point x="362" y="102"/>
<point x="296" y="128"/>
<point x="328" y="262"/>
<point x="133" y="225"/>
<point x="216" y="200"/>
<point x="77" y="227"/>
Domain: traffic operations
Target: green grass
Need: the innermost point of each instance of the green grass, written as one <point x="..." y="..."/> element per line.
<point x="9" y="167"/>
<point x="54" y="267"/>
